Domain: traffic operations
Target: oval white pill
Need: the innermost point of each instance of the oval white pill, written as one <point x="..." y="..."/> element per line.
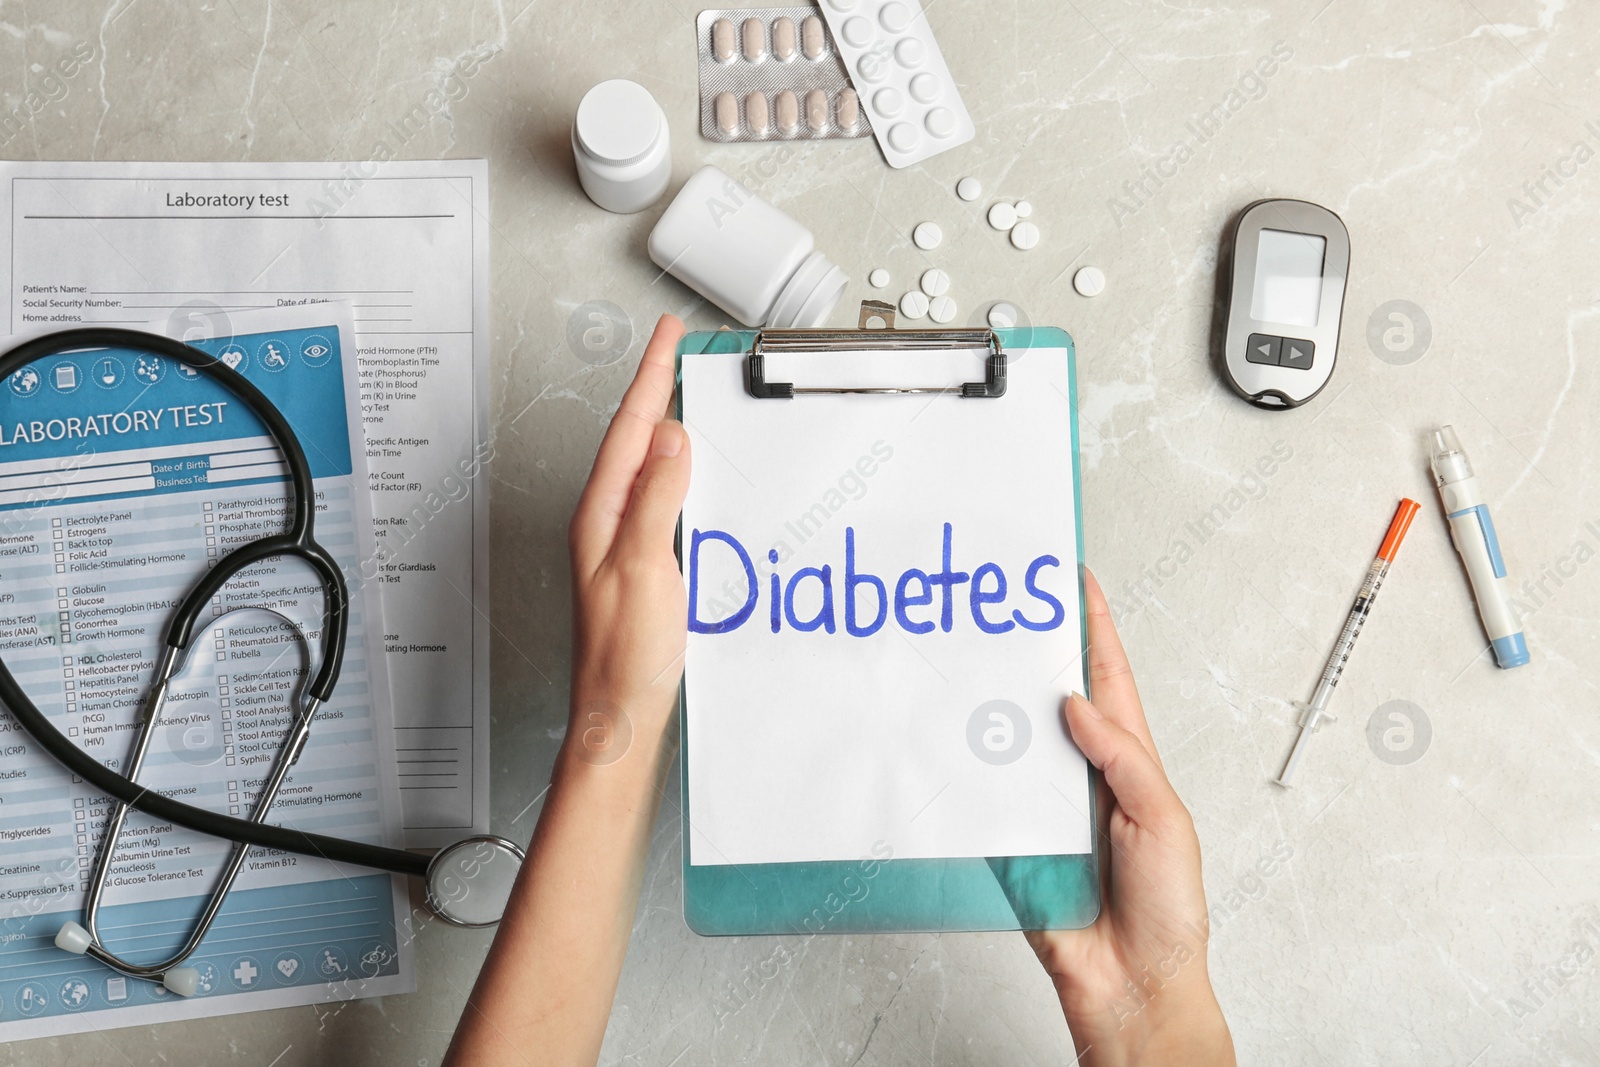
<point x="913" y="305"/>
<point x="894" y="16"/>
<point x="910" y="53"/>
<point x="925" y="88"/>
<point x="888" y="102"/>
<point x="1002" y="216"/>
<point x="755" y="112"/>
<point x="927" y="236"/>
<point x="879" y="278"/>
<point x="942" y="309"/>
<point x="783" y="37"/>
<point x="1024" y="209"/>
<point x="1089" y="281"/>
<point x="857" y="31"/>
<point x="1002" y="316"/>
<point x="872" y="67"/>
<point x="941" y="121"/>
<point x="817" y="110"/>
<point x="812" y="38"/>
<point x="788" y="109"/>
<point x="969" y="189"/>
<point x="723" y="40"/>
<point x="903" y="137"/>
<point x="1024" y="236"/>
<point x="935" y="282"/>
<point x="727" y="107"/>
<point x="755" y="39"/>
<point x="849" y="109"/>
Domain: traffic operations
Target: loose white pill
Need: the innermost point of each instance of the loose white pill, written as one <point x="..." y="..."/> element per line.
<point x="911" y="53"/>
<point x="894" y="16"/>
<point x="879" y="278"/>
<point x="756" y="112"/>
<point x="755" y="39"/>
<point x="783" y="37"/>
<point x="1002" y="216"/>
<point x="925" y="88"/>
<point x="942" y="309"/>
<point x="903" y="137"/>
<point x="1002" y="316"/>
<point x="1024" y="209"/>
<point x="788" y="108"/>
<point x="941" y="121"/>
<point x="727" y="108"/>
<point x="888" y="102"/>
<point x="849" y="109"/>
<point x="812" y="38"/>
<point x="913" y="305"/>
<point x="1089" y="281"/>
<point x="935" y="282"/>
<point x="927" y="236"/>
<point x="857" y="31"/>
<point x="969" y="189"/>
<point x="1024" y="236"/>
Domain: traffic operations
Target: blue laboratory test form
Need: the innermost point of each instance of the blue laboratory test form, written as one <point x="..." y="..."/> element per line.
<point x="123" y="477"/>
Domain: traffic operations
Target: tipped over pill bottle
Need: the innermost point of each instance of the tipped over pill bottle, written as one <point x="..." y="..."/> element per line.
<point x="744" y="255"/>
<point x="622" y="146"/>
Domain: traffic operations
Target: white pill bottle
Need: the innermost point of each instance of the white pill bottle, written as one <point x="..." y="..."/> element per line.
<point x="744" y="255"/>
<point x="622" y="146"/>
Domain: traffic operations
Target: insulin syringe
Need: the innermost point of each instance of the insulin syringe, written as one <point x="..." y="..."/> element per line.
<point x="1313" y="714"/>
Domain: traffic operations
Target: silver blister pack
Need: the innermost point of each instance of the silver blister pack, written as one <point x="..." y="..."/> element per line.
<point x="773" y="74"/>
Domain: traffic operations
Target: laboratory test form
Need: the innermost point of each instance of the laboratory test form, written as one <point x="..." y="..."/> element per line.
<point x="407" y="243"/>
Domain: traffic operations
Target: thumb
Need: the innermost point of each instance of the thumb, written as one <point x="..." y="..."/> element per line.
<point x="658" y="492"/>
<point x="1135" y="779"/>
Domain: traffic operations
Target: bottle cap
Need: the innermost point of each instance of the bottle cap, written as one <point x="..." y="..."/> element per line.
<point x="810" y="295"/>
<point x="618" y="122"/>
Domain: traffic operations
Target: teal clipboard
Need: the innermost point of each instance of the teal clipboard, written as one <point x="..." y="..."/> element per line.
<point x="882" y="894"/>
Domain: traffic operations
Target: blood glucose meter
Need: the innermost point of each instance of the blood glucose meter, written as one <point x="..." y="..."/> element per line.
<point x="1286" y="281"/>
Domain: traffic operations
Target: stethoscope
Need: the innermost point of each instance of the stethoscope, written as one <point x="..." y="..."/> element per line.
<point x="468" y="882"/>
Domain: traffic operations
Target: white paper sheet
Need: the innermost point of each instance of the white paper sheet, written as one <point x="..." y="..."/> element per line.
<point x="811" y="746"/>
<point x="407" y="243"/>
<point x="121" y="480"/>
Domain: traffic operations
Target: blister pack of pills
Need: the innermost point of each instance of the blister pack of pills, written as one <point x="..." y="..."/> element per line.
<point x="906" y="89"/>
<point x="773" y="74"/>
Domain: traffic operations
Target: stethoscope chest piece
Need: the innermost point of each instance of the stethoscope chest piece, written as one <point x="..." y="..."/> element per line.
<point x="470" y="881"/>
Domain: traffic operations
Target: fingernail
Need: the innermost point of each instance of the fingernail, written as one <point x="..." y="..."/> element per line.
<point x="1088" y="708"/>
<point x="668" y="439"/>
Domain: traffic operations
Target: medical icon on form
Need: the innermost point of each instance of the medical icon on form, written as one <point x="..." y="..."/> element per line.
<point x="31" y="1000"/>
<point x="273" y="355"/>
<point x="64" y="376"/>
<point x="332" y="963"/>
<point x="316" y="350"/>
<point x="74" y="993"/>
<point x="233" y="357"/>
<point x="149" y="369"/>
<point x="116" y="989"/>
<point x="25" y="382"/>
<point x="108" y="372"/>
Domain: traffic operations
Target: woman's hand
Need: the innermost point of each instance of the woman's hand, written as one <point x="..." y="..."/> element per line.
<point x="629" y="604"/>
<point x="1134" y="986"/>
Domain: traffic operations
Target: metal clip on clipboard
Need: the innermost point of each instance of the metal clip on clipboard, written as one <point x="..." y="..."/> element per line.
<point x="885" y="339"/>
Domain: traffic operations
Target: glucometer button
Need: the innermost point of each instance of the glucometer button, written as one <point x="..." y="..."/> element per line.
<point x="1263" y="348"/>
<point x="1296" y="353"/>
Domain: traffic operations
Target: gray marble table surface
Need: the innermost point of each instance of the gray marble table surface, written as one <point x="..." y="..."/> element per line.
<point x="1434" y="896"/>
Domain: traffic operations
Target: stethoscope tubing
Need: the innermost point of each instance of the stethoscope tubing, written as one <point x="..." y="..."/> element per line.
<point x="298" y="541"/>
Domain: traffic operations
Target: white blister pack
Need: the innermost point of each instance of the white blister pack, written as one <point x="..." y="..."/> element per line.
<point x="905" y="86"/>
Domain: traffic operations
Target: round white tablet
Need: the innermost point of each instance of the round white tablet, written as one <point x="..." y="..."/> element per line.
<point x="903" y="137"/>
<point x="935" y="282"/>
<point x="913" y="305"/>
<point x="927" y="236"/>
<point x="969" y="189"/>
<point x="1024" y="235"/>
<point x="942" y="309"/>
<point x="1023" y="209"/>
<point x="1003" y="316"/>
<point x="879" y="278"/>
<point x="1089" y="281"/>
<point x="857" y="31"/>
<point x="1002" y="216"/>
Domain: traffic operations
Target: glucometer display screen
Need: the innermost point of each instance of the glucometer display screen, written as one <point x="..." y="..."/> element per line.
<point x="1288" y="284"/>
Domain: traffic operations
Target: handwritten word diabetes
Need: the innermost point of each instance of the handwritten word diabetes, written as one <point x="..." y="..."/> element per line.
<point x="914" y="590"/>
